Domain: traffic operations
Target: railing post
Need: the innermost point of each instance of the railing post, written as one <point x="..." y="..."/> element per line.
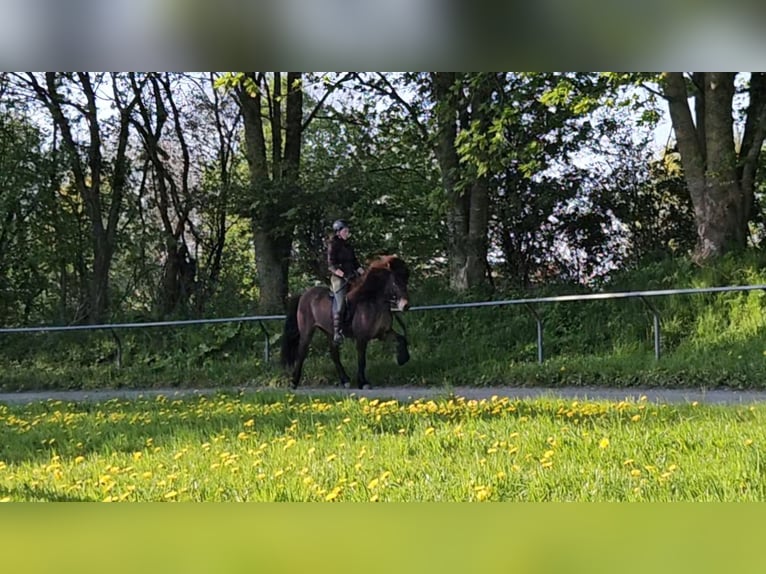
<point x="656" y="321"/>
<point x="266" y="343"/>
<point x="118" y="357"/>
<point x="539" y="322"/>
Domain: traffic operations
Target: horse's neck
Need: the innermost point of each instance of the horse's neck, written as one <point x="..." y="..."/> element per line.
<point x="365" y="293"/>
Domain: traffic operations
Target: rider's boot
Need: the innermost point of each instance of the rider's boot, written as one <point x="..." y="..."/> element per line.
<point x="337" y="335"/>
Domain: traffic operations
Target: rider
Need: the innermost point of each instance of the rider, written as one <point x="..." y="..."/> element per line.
<point x="344" y="266"/>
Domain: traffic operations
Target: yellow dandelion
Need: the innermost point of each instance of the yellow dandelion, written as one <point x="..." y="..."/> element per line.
<point x="748" y="442"/>
<point x="635" y="472"/>
<point x="603" y="443"/>
<point x="331" y="457"/>
<point x="333" y="494"/>
<point x="635" y="418"/>
<point x="171" y="494"/>
<point x="482" y="492"/>
<point x="5" y="499"/>
<point x="430" y="430"/>
<point x="79" y="459"/>
<point x="374" y="498"/>
<point x="249" y="424"/>
<point x="289" y="443"/>
<point x="373" y="484"/>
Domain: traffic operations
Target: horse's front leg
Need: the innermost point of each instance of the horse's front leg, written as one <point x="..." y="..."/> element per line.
<point x="335" y="354"/>
<point x="361" y="351"/>
<point x="402" y="350"/>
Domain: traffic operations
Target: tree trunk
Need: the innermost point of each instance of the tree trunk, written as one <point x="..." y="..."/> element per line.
<point x="467" y="193"/>
<point x="273" y="191"/>
<point x="719" y="180"/>
<point x="443" y="86"/>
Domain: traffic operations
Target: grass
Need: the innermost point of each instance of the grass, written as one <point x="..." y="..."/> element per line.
<point x="282" y="447"/>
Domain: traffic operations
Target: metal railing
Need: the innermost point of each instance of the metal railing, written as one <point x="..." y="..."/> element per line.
<point x="529" y="304"/>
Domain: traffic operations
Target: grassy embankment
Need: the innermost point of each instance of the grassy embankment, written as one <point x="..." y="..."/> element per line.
<point x="708" y="341"/>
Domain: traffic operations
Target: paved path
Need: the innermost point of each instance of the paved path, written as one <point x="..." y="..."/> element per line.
<point x="674" y="396"/>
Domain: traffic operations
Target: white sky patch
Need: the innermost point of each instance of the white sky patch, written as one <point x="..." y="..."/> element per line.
<point x="364" y="30"/>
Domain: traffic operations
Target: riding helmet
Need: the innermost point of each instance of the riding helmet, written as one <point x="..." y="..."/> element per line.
<point x="338" y="225"/>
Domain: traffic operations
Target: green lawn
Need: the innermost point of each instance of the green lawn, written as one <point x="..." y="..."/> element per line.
<point x="281" y="447"/>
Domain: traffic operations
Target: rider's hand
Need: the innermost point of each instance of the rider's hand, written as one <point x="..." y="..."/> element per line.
<point x="339" y="273"/>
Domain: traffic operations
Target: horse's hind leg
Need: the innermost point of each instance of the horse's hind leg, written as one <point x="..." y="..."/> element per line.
<point x="303" y="350"/>
<point x="335" y="354"/>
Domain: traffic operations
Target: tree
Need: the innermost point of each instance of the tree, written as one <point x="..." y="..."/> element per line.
<point x="462" y="102"/>
<point x="170" y="163"/>
<point x="720" y="175"/>
<point x="72" y="99"/>
<point x="273" y="149"/>
<point x="446" y="105"/>
<point x="30" y="232"/>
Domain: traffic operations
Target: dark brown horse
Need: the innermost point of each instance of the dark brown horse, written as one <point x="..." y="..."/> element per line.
<point x="370" y="301"/>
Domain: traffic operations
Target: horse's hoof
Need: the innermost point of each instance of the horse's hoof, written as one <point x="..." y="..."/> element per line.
<point x="345" y="384"/>
<point x="365" y="386"/>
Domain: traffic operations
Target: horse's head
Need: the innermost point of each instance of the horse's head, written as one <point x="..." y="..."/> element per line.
<point x="396" y="282"/>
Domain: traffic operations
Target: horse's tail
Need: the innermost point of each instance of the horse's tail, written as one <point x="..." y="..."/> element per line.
<point x="290" y="335"/>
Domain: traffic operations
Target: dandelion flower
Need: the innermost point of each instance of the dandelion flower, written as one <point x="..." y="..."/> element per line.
<point x="333" y="494"/>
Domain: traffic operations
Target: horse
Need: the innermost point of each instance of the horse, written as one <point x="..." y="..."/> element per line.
<point x="369" y="316"/>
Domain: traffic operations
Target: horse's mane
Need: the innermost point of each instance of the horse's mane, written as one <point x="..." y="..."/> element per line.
<point x="373" y="282"/>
